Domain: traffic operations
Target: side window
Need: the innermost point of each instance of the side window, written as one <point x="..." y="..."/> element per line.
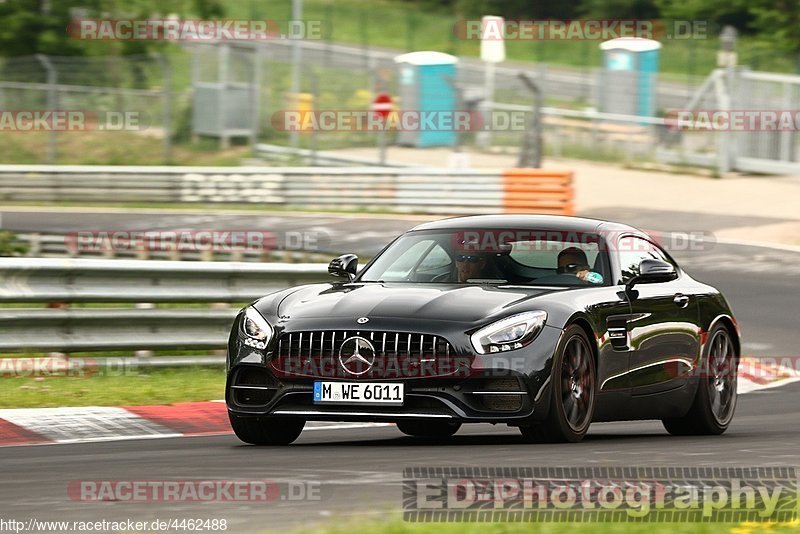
<point x="631" y="251"/>
<point x="436" y="259"/>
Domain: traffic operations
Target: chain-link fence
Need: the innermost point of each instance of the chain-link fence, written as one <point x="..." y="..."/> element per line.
<point x="339" y="77"/>
<point x="236" y="92"/>
<point x="230" y="92"/>
<point x="108" y="100"/>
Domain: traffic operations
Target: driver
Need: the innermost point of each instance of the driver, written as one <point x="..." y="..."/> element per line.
<point x="469" y="265"/>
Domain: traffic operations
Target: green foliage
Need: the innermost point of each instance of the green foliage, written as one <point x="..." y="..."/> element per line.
<point x="35" y="26"/>
<point x="622" y="9"/>
<point x="777" y="21"/>
<point x="521" y="9"/>
<point x="208" y="9"/>
<point x="9" y="246"/>
<point x="30" y="27"/>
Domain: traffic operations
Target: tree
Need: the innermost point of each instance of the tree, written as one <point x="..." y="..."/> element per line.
<point x="777" y="21"/>
<point x="30" y="27"/>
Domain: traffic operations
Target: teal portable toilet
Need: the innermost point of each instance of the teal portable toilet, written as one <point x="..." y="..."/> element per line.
<point x="628" y="78"/>
<point x="427" y="84"/>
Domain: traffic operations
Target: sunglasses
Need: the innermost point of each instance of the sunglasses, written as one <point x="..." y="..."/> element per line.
<point x="464" y="257"/>
<point x="572" y="268"/>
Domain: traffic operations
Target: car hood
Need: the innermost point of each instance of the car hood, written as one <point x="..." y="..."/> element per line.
<point x="438" y="302"/>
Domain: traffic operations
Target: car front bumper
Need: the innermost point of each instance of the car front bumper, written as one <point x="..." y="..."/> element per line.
<point x="509" y="387"/>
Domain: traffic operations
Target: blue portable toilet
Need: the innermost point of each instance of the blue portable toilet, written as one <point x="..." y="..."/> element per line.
<point x="629" y="75"/>
<point x="427" y="84"/>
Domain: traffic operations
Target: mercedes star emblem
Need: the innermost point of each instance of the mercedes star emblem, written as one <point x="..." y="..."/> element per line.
<point x="357" y="355"/>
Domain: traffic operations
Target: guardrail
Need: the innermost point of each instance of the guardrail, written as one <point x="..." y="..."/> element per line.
<point x="179" y="283"/>
<point x="66" y="245"/>
<point x="25" y="280"/>
<point x="406" y="190"/>
<point x="286" y="155"/>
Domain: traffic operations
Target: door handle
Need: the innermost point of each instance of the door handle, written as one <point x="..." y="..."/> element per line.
<point x="681" y="300"/>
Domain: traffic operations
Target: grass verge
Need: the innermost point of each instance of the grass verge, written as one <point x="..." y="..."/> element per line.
<point x="131" y="386"/>
<point x="401" y="527"/>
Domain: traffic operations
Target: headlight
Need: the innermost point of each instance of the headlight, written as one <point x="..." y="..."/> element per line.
<point x="510" y="333"/>
<point x="256" y="329"/>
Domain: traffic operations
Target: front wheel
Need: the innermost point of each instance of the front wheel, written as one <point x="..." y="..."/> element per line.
<point x="573" y="388"/>
<point x="266" y="430"/>
<point x="715" y="401"/>
<point x="428" y="429"/>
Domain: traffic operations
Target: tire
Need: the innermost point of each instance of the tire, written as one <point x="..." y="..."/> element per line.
<point x="266" y="430"/>
<point x="573" y="388"/>
<point x="428" y="429"/>
<point x="715" y="401"/>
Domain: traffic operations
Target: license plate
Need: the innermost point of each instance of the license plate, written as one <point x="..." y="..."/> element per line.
<point x="358" y="393"/>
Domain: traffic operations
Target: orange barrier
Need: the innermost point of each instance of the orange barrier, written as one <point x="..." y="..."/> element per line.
<point x="538" y="191"/>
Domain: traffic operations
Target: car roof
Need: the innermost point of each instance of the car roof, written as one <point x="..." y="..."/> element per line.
<point x="533" y="222"/>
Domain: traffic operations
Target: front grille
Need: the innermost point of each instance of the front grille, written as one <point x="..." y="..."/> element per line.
<point x="396" y="355"/>
<point x="502" y="403"/>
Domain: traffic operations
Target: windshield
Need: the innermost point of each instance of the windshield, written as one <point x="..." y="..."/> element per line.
<point x="519" y="257"/>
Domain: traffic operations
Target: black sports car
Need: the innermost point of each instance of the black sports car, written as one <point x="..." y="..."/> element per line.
<point x="540" y="322"/>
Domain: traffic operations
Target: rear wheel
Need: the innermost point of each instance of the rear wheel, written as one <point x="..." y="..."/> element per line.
<point x="715" y="401"/>
<point x="573" y="388"/>
<point x="266" y="430"/>
<point x="428" y="429"/>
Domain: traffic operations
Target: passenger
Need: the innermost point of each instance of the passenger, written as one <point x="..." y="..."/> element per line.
<point x="573" y="261"/>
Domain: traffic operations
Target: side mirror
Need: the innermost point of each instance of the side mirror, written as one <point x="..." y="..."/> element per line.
<point x="344" y="266"/>
<point x="653" y="272"/>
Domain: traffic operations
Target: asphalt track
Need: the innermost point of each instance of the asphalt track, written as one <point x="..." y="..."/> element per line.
<point x="359" y="471"/>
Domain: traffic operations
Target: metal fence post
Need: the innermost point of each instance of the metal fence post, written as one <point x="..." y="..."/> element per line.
<point x="297" y="59"/>
<point x="531" y="153"/>
<point x="223" y="57"/>
<point x="166" y="97"/>
<point x="314" y="103"/>
<point x="52" y="104"/>
<point x="256" y="97"/>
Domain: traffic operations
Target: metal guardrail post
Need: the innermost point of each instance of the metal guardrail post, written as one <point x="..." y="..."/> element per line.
<point x="144" y="354"/>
